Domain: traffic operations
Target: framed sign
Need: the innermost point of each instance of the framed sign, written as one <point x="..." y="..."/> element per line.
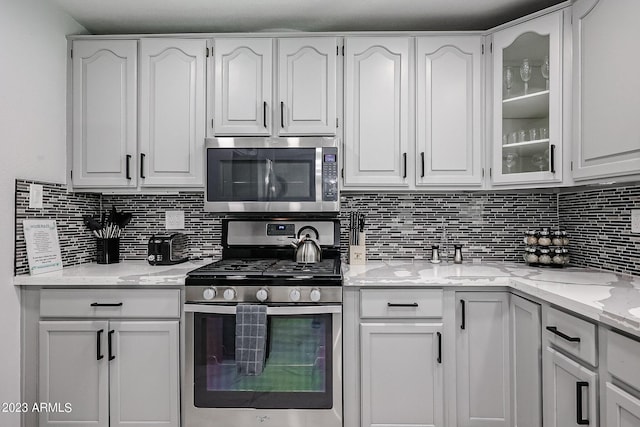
<point x="43" y="246"/>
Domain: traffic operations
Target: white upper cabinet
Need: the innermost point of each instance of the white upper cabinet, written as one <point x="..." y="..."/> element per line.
<point x="172" y="112"/>
<point x="243" y="86"/>
<point x="449" y="122"/>
<point x="376" y="111"/>
<point x="606" y="88"/>
<point x="527" y="102"/>
<point x="307" y="88"/>
<point x="104" y="113"/>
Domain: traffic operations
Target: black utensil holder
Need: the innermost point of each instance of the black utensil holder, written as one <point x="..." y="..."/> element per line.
<point x="108" y="251"/>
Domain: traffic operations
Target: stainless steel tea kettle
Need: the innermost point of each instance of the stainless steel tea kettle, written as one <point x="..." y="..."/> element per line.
<point x="307" y="248"/>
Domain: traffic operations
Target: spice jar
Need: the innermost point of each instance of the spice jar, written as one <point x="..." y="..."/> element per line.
<point x="565" y="238"/>
<point x="531" y="237"/>
<point x="557" y="240"/>
<point x="530" y="256"/>
<point x="543" y="238"/>
<point x="544" y="257"/>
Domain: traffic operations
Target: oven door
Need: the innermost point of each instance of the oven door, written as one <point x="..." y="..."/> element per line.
<point x="301" y="383"/>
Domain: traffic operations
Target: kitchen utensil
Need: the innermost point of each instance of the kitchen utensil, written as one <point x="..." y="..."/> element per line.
<point x="307" y="250"/>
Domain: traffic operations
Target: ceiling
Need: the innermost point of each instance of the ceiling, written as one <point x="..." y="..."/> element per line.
<point x="213" y="16"/>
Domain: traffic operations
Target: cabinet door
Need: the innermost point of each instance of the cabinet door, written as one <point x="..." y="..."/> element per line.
<point x="569" y="393"/>
<point x="307" y="86"/>
<point x="376" y="111"/>
<point x="526" y="341"/>
<point x="483" y="368"/>
<point x="104" y="113"/>
<point x="172" y="112"/>
<point x="401" y="374"/>
<point x="623" y="409"/>
<point x="527" y="116"/>
<point x="449" y="137"/>
<point x="74" y="370"/>
<point x="144" y="374"/>
<point x="606" y="88"/>
<point x="243" y="73"/>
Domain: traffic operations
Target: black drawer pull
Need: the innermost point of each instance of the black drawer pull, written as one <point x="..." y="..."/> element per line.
<point x="111" y="355"/>
<point x="99" y="354"/>
<point x="422" y="164"/>
<point x="463" y="323"/>
<point x="282" y="114"/>
<point x="579" y="418"/>
<point x="128" y="166"/>
<point x="393" y="304"/>
<point x="99" y="304"/>
<point x="439" y="347"/>
<point x="555" y="330"/>
<point x="264" y="114"/>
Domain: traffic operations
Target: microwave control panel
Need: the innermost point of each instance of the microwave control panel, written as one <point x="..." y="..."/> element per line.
<point x="330" y="174"/>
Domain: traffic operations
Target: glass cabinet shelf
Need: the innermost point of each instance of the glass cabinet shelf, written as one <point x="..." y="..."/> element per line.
<point x="532" y="105"/>
<point x="527" y="147"/>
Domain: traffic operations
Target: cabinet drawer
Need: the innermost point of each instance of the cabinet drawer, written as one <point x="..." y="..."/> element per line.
<point x="111" y="303"/>
<point x="401" y="303"/>
<point x="571" y="334"/>
<point x="623" y="358"/>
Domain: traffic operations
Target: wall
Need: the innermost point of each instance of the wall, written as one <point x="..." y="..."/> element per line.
<point x="32" y="131"/>
<point x="599" y="224"/>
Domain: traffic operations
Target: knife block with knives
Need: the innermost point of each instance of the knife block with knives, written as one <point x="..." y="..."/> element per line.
<point x="357" y="243"/>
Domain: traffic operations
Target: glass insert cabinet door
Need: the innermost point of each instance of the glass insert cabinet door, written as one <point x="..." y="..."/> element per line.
<point x="528" y="103"/>
<point x="297" y="368"/>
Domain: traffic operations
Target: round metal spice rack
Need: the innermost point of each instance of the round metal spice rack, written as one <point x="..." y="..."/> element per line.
<point x="546" y="249"/>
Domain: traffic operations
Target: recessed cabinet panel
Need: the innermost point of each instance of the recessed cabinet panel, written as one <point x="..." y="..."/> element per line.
<point x="623" y="409"/>
<point x="307" y="86"/>
<point x="606" y="88"/>
<point x="71" y="371"/>
<point x="401" y="358"/>
<point x="527" y="113"/>
<point x="104" y="113"/>
<point x="376" y="111"/>
<point x="448" y="111"/>
<point x="172" y="111"/>
<point x="243" y="73"/>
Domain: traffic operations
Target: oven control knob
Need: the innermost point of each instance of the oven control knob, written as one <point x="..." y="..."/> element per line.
<point x="209" y="293"/>
<point x="294" y="295"/>
<point x="229" y="294"/>
<point x="315" y="295"/>
<point x="262" y="295"/>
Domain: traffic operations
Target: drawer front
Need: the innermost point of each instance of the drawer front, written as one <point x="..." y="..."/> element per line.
<point x="111" y="303"/>
<point x="401" y="303"/>
<point x="623" y="358"/>
<point x="571" y="334"/>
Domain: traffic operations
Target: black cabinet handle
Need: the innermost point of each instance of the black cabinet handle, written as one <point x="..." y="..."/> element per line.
<point x="111" y="356"/>
<point x="555" y="331"/>
<point x="439" y="347"/>
<point x="142" y="156"/>
<point x="463" y="324"/>
<point x="264" y="113"/>
<point x="99" y="354"/>
<point x="579" y="418"/>
<point x="404" y="165"/>
<point x="99" y="304"/>
<point x="422" y="163"/>
<point x="552" y="158"/>
<point x="393" y="304"/>
<point x="128" y="166"/>
<point x="282" y="114"/>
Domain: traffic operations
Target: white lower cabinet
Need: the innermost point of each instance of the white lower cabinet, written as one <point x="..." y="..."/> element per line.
<point x="109" y="373"/>
<point x="623" y="409"/>
<point x="483" y="359"/>
<point x="570" y="392"/>
<point x="526" y="342"/>
<point x="402" y="375"/>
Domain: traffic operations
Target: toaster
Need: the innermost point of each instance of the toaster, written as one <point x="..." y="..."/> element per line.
<point x="167" y="249"/>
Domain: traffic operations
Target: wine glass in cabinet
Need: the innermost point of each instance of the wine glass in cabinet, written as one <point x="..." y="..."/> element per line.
<point x="527" y="106"/>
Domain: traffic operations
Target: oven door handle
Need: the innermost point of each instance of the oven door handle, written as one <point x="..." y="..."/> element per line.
<point x="271" y="310"/>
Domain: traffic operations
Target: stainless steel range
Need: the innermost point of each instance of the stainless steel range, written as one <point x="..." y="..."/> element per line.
<point x="263" y="332"/>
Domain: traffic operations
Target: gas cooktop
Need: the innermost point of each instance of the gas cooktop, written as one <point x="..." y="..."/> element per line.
<point x="266" y="268"/>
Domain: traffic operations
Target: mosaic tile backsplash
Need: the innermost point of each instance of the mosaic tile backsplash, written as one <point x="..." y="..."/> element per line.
<point x="490" y="226"/>
<point x="77" y="244"/>
<point x="599" y="224"/>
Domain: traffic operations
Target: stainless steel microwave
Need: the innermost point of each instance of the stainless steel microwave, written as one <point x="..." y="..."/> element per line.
<point x="272" y="175"/>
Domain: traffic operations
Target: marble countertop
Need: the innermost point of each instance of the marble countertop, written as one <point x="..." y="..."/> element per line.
<point x="125" y="273"/>
<point x="605" y="297"/>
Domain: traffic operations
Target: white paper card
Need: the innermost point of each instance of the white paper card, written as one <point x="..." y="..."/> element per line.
<point x="43" y="246"/>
